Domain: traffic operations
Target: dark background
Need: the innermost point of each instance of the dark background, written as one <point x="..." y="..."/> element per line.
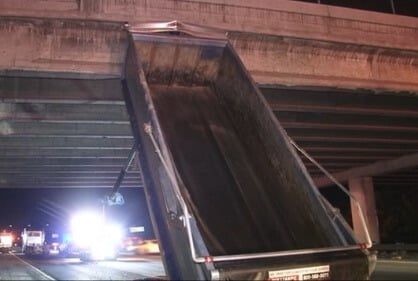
<point x="397" y="212"/>
<point x="53" y="208"/>
<point x="399" y="7"/>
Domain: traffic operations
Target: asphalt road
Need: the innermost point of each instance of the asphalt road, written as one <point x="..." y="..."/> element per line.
<point x="14" y="268"/>
<point x="395" y="270"/>
<point x="19" y="267"/>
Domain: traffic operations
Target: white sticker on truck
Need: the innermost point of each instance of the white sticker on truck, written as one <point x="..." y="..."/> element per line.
<point x="303" y="273"/>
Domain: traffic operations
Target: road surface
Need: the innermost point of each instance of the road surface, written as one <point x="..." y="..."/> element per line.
<point x="19" y="267"/>
<point x="395" y="270"/>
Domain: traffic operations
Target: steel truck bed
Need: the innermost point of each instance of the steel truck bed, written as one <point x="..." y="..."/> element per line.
<point x="228" y="195"/>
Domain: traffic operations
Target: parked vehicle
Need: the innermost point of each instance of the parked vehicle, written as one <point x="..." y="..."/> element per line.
<point x="148" y="247"/>
<point x="33" y="241"/>
<point x="53" y="243"/>
<point x="6" y="241"/>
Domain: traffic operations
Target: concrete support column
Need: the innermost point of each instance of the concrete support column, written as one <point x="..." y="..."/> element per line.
<point x="362" y="190"/>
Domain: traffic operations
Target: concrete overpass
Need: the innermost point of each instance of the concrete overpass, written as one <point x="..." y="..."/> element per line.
<point x="342" y="82"/>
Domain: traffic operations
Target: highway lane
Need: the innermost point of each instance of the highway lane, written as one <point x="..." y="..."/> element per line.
<point x="124" y="268"/>
<point x="19" y="267"/>
<point x="395" y="270"/>
<point x="13" y="267"/>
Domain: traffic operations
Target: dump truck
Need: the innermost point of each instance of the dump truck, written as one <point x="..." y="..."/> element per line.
<point x="228" y="194"/>
<point x="33" y="241"/>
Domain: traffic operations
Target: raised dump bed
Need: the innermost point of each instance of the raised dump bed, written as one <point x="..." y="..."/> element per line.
<point x="228" y="195"/>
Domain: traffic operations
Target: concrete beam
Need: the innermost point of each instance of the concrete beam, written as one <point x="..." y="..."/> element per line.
<point x="33" y="162"/>
<point x="48" y="180"/>
<point x="27" y="128"/>
<point x="53" y="177"/>
<point x="346" y="121"/>
<point x="60" y="185"/>
<point x="67" y="171"/>
<point x="289" y="61"/>
<point x="275" y="17"/>
<point x="65" y="153"/>
<point x="24" y="89"/>
<point x="99" y="113"/>
<point x="340" y="101"/>
<point x="345" y="135"/>
<point x="377" y="168"/>
<point x="363" y="191"/>
<point x="61" y="48"/>
<point x="280" y="42"/>
<point x="40" y="142"/>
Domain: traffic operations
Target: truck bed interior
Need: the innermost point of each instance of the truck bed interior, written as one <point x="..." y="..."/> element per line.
<point x="245" y="186"/>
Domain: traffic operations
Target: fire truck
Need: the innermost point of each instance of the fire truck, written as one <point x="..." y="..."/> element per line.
<point x="6" y="241"/>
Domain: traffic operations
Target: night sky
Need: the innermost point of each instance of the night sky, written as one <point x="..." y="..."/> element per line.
<point x="39" y="207"/>
<point x="400" y="7"/>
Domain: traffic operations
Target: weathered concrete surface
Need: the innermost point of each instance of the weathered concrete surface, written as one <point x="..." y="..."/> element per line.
<point x="284" y="60"/>
<point x="61" y="47"/>
<point x="280" y="42"/>
<point x="363" y="191"/>
<point x="276" y="17"/>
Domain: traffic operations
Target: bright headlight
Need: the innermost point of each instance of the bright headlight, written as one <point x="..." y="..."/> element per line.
<point x="86" y="226"/>
<point x="113" y="233"/>
<point x="91" y="233"/>
<point x="103" y="251"/>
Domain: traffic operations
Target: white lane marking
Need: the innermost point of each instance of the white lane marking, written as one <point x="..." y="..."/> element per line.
<point x="34" y="268"/>
<point x="409" y="262"/>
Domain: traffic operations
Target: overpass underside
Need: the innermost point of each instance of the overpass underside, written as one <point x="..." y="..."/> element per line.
<point x="342" y="83"/>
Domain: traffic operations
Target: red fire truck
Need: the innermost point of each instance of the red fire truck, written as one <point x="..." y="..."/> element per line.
<point x="6" y="241"/>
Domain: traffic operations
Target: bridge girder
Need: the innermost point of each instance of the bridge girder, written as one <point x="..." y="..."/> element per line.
<point x="61" y="61"/>
<point x="280" y="42"/>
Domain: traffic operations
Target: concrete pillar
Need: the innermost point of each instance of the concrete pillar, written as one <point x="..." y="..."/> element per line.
<point x="362" y="190"/>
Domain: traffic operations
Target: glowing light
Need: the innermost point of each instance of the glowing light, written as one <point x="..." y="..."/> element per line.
<point x="94" y="236"/>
